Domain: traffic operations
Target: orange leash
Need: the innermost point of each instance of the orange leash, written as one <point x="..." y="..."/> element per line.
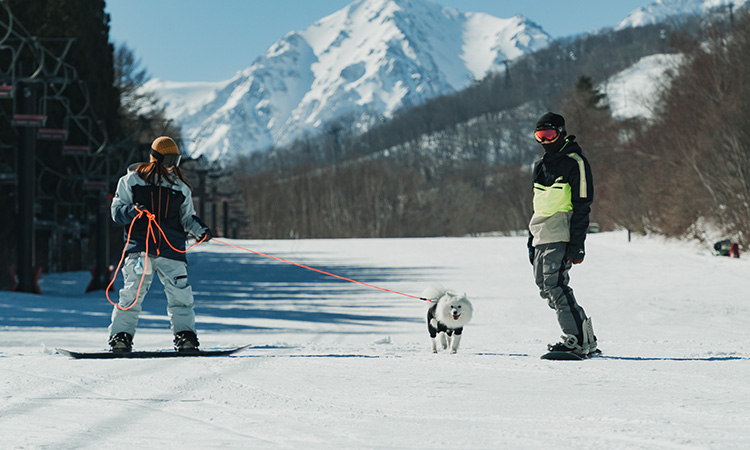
<point x="151" y="234"/>
<point x="321" y="271"/>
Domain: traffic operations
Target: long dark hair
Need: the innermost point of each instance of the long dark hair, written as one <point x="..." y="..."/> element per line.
<point x="155" y="171"/>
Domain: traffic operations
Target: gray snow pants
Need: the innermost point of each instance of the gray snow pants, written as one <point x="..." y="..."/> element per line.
<point x="173" y="275"/>
<point x="551" y="267"/>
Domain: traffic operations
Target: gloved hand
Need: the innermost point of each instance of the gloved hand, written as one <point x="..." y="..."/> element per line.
<point x="576" y="254"/>
<point x="206" y="236"/>
<point x="531" y="248"/>
<point x="136" y="209"/>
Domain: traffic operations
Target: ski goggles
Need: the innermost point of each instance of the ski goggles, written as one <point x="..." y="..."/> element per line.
<point x="169" y="160"/>
<point x="547" y="134"/>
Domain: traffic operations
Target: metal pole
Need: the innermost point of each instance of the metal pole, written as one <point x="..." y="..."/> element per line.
<point x="26" y="191"/>
<point x="100" y="272"/>
<point x="100" y="275"/>
<point x="226" y="217"/>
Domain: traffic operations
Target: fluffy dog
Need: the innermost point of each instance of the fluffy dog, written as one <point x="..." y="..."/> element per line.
<point x="447" y="317"/>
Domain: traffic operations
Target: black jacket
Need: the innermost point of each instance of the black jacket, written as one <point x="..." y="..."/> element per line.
<point x="567" y="168"/>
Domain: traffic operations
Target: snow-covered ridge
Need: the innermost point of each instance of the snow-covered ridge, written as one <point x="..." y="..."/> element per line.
<point x="634" y="91"/>
<point x="660" y="10"/>
<point x="183" y="97"/>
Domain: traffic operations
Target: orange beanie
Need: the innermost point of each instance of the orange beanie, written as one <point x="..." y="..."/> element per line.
<point x="164" y="145"/>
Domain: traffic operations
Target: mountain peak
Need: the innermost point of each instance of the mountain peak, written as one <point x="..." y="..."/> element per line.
<point x="362" y="62"/>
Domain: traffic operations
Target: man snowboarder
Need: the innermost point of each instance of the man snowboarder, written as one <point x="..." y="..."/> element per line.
<point x="563" y="193"/>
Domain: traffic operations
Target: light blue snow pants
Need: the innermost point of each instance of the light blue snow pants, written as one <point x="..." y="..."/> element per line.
<point x="551" y="267"/>
<point x="173" y="275"/>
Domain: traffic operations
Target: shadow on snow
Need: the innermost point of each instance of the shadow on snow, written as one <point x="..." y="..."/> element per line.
<point x="705" y="358"/>
<point x="232" y="292"/>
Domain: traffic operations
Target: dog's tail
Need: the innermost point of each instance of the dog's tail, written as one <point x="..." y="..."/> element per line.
<point x="434" y="291"/>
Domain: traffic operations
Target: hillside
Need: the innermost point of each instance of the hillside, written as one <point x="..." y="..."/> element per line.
<point x="456" y="165"/>
<point x="495" y="113"/>
<point x="459" y="163"/>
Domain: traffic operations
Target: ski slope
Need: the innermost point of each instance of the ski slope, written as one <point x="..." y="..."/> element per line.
<point x="337" y="365"/>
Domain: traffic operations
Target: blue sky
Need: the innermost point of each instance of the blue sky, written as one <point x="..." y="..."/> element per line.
<point x="200" y="40"/>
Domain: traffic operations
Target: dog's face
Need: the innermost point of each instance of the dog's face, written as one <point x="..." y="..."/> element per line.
<point x="454" y="310"/>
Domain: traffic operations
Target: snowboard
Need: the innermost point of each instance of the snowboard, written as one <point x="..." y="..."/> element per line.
<point x="568" y="356"/>
<point x="149" y="354"/>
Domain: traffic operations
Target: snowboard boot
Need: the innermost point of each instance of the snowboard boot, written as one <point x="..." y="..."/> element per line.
<point x="589" y="340"/>
<point x="569" y="344"/>
<point x="121" y="342"/>
<point x="583" y="345"/>
<point x="186" y="341"/>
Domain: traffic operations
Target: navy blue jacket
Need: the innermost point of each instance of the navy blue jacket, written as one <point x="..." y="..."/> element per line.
<point x="172" y="205"/>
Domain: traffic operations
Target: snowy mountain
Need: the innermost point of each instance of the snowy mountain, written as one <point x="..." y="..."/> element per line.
<point x="359" y="64"/>
<point x="661" y="10"/>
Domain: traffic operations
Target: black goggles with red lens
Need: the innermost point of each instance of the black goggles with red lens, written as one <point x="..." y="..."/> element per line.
<point x="169" y="160"/>
<point x="547" y="134"/>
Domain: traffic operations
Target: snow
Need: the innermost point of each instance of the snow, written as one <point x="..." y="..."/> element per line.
<point x="341" y="365"/>
<point x="369" y="59"/>
<point x="661" y="10"/>
<point x="366" y="60"/>
<point x="489" y="41"/>
<point x="181" y="98"/>
<point x="635" y="91"/>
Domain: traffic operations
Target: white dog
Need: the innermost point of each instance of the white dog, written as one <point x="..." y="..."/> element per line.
<point x="447" y="317"/>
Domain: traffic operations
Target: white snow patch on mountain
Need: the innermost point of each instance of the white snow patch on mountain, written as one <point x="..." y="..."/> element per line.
<point x="634" y="91"/>
<point x="489" y="41"/>
<point x="660" y="10"/>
